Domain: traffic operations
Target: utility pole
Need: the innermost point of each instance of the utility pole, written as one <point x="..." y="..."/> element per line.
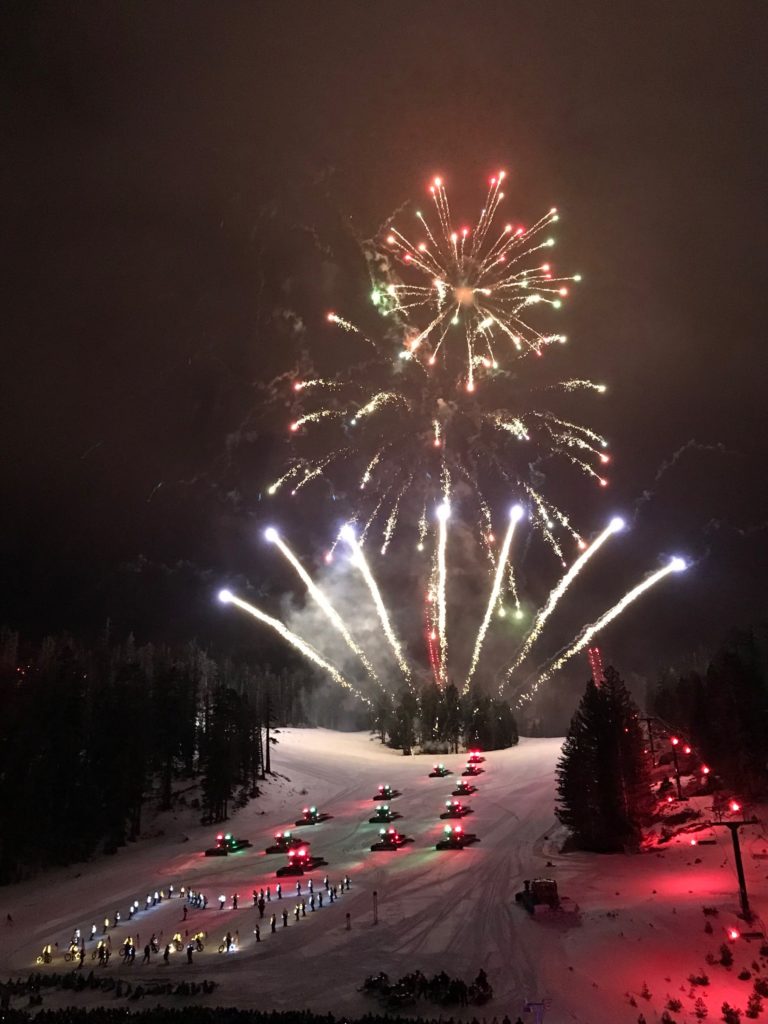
<point x="734" y="827"/>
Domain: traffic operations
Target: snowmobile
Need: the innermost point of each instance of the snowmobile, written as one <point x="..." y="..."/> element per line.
<point x="382" y="813"/>
<point x="455" y="809"/>
<point x="439" y="771"/>
<point x="284" y="841"/>
<point x="226" y="843"/>
<point x="473" y="769"/>
<point x="475" y="757"/>
<point x="390" y="839"/>
<point x="299" y="861"/>
<point x="385" y="792"/>
<point x="455" y="838"/>
<point x="311" y="816"/>
<point x="464" y="788"/>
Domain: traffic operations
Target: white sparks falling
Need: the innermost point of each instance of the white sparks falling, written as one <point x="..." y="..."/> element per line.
<point x="443" y="514"/>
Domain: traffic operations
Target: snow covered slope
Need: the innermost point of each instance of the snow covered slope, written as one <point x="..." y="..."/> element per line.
<point x="641" y="918"/>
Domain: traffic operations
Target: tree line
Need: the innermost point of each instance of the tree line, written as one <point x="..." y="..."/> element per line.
<point x="440" y="720"/>
<point x="723" y="709"/>
<point x="91" y="735"/>
<point x="604" y="779"/>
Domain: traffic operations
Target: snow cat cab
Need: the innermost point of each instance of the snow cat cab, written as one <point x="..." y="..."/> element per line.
<point x="226" y="843"/>
<point x="311" y="816"/>
<point x="382" y="814"/>
<point x="455" y="809"/>
<point x="390" y="839"/>
<point x="540" y="894"/>
<point x="439" y="771"/>
<point x="455" y="838"/>
<point x="285" y="841"/>
<point x="473" y="769"/>
<point x="464" y="788"/>
<point x="385" y="792"/>
<point x="299" y="861"/>
<point x="475" y="757"/>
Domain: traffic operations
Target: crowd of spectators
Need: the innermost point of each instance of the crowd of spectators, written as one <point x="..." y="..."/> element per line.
<point x="32" y="987"/>
<point x="440" y="988"/>
<point x="215" y="1015"/>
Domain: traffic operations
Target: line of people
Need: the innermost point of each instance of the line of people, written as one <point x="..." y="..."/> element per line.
<point x="307" y="896"/>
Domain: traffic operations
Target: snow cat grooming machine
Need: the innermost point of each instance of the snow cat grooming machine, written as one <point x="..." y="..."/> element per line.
<point x="383" y="814"/>
<point x="541" y="895"/>
<point x="385" y="792"/>
<point x="311" y="816"/>
<point x="455" y="809"/>
<point x="455" y="838"/>
<point x="285" y="841"/>
<point x="389" y="840"/>
<point x="226" y="843"/>
<point x="299" y="861"/>
<point x="464" y="788"/>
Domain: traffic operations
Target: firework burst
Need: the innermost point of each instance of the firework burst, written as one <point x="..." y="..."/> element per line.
<point x="466" y="294"/>
<point x="432" y="422"/>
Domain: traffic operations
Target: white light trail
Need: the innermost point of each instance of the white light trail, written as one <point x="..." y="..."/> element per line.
<point x="515" y="515"/>
<point x="227" y="597"/>
<point x="615" y="525"/>
<point x="358" y="559"/>
<point x="589" y="632"/>
<point x="321" y="600"/>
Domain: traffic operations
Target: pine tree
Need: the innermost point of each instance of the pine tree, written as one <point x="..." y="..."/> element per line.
<point x="603" y="774"/>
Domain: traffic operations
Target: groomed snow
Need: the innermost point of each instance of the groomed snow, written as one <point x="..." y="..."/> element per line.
<point x="641" y="918"/>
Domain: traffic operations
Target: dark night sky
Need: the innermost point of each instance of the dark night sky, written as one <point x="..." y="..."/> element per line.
<point x="153" y="152"/>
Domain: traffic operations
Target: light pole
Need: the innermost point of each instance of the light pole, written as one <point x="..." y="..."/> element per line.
<point x="674" y="741"/>
<point x="734" y="827"/>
